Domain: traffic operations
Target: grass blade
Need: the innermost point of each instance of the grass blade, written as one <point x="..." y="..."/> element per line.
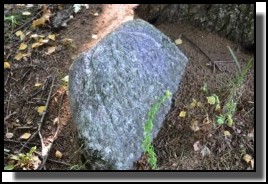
<point x="235" y="59"/>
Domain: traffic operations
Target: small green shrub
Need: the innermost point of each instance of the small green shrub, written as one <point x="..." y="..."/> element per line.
<point x="148" y="128"/>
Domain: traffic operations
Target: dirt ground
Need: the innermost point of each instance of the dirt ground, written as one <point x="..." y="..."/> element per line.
<point x="175" y="142"/>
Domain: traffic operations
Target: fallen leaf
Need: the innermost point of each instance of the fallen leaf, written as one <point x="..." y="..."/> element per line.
<point x="25" y="136"/>
<point x="52" y="37"/>
<point x="197" y="146"/>
<point x="182" y="114"/>
<point x="37" y="84"/>
<point x="227" y="134"/>
<point x="38" y="44"/>
<point x="206" y="120"/>
<point x="43" y="40"/>
<point x="50" y="50"/>
<point x="247" y="158"/>
<point x="20" y="34"/>
<point x="58" y="154"/>
<point x="26" y="13"/>
<point x="22" y="46"/>
<point x="20" y="5"/>
<point x="41" y="109"/>
<point x="199" y="104"/>
<point x="6" y="65"/>
<point x="37" y="36"/>
<point x="205" y="151"/>
<point x="94" y="36"/>
<point x="9" y="167"/>
<point x="193" y="104"/>
<point x="77" y="7"/>
<point x="38" y="22"/>
<point x="9" y="135"/>
<point x="251" y="134"/>
<point x="56" y="121"/>
<point x="66" y="78"/>
<point x="35" y="162"/>
<point x="178" y="41"/>
<point x="211" y="100"/>
<point x="218" y="108"/>
<point x="29" y="5"/>
<point x="46" y="13"/>
<point x="66" y="41"/>
<point x="194" y="125"/>
<point x="19" y="56"/>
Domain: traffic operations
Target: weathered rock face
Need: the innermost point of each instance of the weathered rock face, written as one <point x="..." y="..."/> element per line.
<point x="234" y="21"/>
<point x="113" y="86"/>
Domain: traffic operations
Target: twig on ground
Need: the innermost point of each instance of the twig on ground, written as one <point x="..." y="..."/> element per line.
<point x="19" y="142"/>
<point x="9" y="116"/>
<point x="46" y="148"/>
<point x="58" y="162"/>
<point x="42" y="118"/>
<point x="205" y="54"/>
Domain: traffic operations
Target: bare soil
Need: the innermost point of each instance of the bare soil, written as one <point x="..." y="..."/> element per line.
<point x="174" y="143"/>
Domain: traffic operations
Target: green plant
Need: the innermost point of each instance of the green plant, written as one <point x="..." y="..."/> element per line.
<point x="236" y="88"/>
<point x="23" y="161"/>
<point x="148" y="128"/>
<point x="11" y="19"/>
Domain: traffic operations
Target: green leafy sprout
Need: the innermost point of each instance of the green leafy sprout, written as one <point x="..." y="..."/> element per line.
<point x="23" y="160"/>
<point x="148" y="129"/>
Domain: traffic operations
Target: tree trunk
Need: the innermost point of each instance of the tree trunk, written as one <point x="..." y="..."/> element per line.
<point x="234" y="21"/>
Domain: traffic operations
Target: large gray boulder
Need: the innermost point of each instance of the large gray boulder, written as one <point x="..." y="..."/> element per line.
<point x="113" y="86"/>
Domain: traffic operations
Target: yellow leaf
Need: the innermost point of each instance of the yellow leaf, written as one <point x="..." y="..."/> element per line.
<point x="194" y="125"/>
<point x="38" y="22"/>
<point x="20" y="34"/>
<point x="51" y="37"/>
<point x="36" y="36"/>
<point x="41" y="109"/>
<point x="23" y="46"/>
<point x="66" y="41"/>
<point x="43" y="41"/>
<point x="6" y="65"/>
<point x="218" y="108"/>
<point x="25" y="136"/>
<point x="247" y="158"/>
<point x="38" y="84"/>
<point x="182" y="114"/>
<point x="193" y="104"/>
<point x="26" y="13"/>
<point x="178" y="41"/>
<point x="19" y="56"/>
<point x="50" y="50"/>
<point x="94" y="36"/>
<point x="55" y="121"/>
<point x="227" y="133"/>
<point x="58" y="154"/>
<point x="66" y="78"/>
<point x="35" y="45"/>
<point x="206" y="120"/>
<point x="211" y="100"/>
<point x="46" y="13"/>
<point x="199" y="104"/>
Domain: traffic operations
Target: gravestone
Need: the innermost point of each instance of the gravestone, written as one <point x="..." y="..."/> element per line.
<point x="113" y="86"/>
